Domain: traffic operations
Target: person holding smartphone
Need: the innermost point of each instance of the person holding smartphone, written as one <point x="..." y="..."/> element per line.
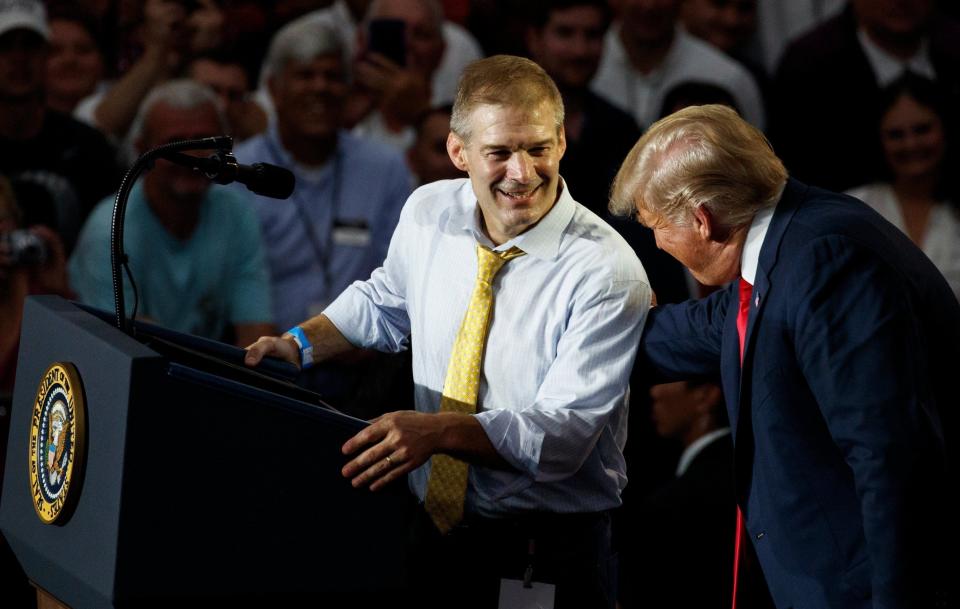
<point x="401" y="45"/>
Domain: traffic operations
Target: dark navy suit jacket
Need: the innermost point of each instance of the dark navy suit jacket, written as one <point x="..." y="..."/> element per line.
<point x="849" y="385"/>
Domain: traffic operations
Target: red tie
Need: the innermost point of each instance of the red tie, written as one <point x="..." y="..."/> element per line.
<point x="746" y="291"/>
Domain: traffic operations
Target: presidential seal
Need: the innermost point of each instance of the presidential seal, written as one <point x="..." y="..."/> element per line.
<point x="57" y="434"/>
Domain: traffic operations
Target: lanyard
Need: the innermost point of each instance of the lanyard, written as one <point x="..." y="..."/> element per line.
<point x="311" y="228"/>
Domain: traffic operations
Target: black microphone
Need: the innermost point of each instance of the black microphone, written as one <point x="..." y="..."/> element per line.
<point x="261" y="178"/>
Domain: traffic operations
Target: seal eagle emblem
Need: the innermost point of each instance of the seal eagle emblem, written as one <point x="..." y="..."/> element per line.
<point x="57" y="434"/>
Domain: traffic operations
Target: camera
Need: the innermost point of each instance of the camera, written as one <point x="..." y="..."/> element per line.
<point x="23" y="248"/>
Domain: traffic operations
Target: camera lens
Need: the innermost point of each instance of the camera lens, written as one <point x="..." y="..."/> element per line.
<point x="23" y="248"/>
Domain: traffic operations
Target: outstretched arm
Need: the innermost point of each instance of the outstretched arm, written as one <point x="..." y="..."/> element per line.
<point x="324" y="337"/>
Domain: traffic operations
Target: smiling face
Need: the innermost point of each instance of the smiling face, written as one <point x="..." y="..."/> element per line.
<point x="74" y="65"/>
<point x="308" y="97"/>
<point x="913" y="140"/>
<point x="513" y="158"/>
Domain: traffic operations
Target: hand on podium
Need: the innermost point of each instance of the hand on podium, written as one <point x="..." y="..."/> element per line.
<point x="282" y="347"/>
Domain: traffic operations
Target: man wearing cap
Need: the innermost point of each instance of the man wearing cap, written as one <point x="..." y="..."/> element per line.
<point x="59" y="165"/>
<point x="522" y="308"/>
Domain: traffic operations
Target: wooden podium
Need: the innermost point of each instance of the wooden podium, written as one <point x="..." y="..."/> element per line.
<point x="195" y="481"/>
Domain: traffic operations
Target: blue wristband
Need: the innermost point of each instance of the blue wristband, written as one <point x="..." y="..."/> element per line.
<point x="306" y="349"/>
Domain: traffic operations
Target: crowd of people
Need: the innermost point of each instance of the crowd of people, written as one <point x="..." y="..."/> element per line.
<point x="379" y="109"/>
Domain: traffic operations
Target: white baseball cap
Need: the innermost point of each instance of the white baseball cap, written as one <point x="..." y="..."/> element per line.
<point x="26" y="14"/>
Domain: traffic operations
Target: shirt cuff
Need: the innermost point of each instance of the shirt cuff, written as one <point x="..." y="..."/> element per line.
<point x="515" y="438"/>
<point x="343" y="313"/>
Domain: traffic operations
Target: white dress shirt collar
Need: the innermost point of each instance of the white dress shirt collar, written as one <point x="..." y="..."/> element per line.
<point x="750" y="257"/>
<point x="887" y="68"/>
<point x="543" y="240"/>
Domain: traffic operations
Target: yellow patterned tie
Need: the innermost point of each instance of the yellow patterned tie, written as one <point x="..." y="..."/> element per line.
<point x="447" y="486"/>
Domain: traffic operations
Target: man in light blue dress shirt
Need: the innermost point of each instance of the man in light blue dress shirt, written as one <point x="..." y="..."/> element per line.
<point x="545" y="446"/>
<point x="336" y="226"/>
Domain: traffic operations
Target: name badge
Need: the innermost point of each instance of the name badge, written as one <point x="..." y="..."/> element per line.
<point x="351" y="233"/>
<point x="514" y="594"/>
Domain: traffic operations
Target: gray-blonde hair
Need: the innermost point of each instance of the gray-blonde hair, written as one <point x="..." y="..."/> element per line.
<point x="700" y="156"/>
<point x="180" y="93"/>
<point x="303" y="40"/>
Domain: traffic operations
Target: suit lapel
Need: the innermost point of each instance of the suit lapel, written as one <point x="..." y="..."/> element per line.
<point x="740" y="420"/>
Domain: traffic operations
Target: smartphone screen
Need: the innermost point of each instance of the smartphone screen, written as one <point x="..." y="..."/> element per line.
<point x="388" y="38"/>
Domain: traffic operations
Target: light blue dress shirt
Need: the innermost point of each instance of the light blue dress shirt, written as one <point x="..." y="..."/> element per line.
<point x="566" y="322"/>
<point x="336" y="226"/>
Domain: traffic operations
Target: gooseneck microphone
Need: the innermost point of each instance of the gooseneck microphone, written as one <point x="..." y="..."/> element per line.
<point x="222" y="167"/>
<point x="262" y="178"/>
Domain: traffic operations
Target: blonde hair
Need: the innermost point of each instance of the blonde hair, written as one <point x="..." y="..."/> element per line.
<point x="700" y="156"/>
<point x="503" y="80"/>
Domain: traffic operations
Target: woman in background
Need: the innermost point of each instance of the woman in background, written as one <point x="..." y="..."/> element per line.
<point x="919" y="197"/>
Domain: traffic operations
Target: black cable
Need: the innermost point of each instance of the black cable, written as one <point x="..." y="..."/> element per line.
<point x="133" y="285"/>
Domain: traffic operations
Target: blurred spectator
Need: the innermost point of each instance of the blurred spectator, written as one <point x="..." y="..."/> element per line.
<point x="731" y="27"/>
<point x="826" y="93"/>
<point x="389" y="93"/>
<point x="780" y="23"/>
<point x="75" y="64"/>
<point x="170" y="33"/>
<point x="15" y="589"/>
<point x="917" y="196"/>
<point x="566" y="38"/>
<point x="32" y="261"/>
<point x="646" y="53"/>
<point x="195" y="251"/>
<point x="685" y="546"/>
<point x="226" y="75"/>
<point x="337" y="225"/>
<point x="388" y="98"/>
<point x="427" y="157"/>
<point x="59" y="168"/>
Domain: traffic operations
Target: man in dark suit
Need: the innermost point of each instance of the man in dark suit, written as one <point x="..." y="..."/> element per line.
<point x="836" y="341"/>
<point x="686" y="559"/>
<point x="827" y="87"/>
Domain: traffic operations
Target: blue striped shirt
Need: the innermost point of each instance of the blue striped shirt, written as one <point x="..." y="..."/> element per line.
<point x="566" y="322"/>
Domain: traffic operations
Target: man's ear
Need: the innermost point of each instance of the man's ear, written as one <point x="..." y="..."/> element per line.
<point x="704" y="223"/>
<point x="456" y="149"/>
